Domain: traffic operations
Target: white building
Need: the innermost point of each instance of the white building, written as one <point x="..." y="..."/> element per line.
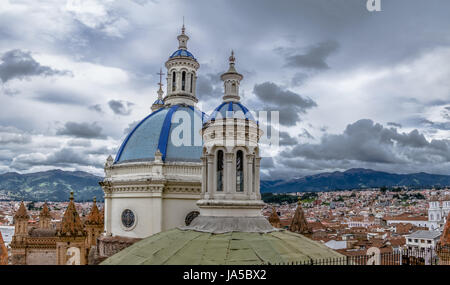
<point x="422" y="239"/>
<point x="438" y="211"/>
<point x="154" y="181"/>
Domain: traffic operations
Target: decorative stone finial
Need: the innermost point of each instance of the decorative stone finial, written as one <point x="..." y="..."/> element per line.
<point x="71" y="195"/>
<point x="109" y="161"/>
<point x="158" y="156"/>
<point x="232" y="58"/>
<point x="182" y="38"/>
<point x="95" y="199"/>
<point x="231" y="80"/>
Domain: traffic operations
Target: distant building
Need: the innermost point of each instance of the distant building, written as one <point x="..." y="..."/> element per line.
<point x="438" y="211"/>
<point x="46" y="245"/>
<point x="422" y="239"/>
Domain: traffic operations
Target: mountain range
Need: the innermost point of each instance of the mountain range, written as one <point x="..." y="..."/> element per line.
<point x="55" y="185"/>
<point x="52" y="185"/>
<point x="355" y="178"/>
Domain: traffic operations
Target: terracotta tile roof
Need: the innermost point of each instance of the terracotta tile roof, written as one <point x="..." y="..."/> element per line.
<point x="406" y="217"/>
<point x="22" y="212"/>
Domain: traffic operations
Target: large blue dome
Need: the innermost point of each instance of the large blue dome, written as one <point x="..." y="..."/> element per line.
<point x="231" y="110"/>
<point x="155" y="131"/>
<point x="182" y="52"/>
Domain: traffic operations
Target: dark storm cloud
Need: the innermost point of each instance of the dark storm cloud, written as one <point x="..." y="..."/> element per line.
<point x="286" y="139"/>
<point x="314" y="58"/>
<point x="209" y="86"/>
<point x="20" y="64"/>
<point x="97" y="108"/>
<point x="82" y="130"/>
<point x="392" y="124"/>
<point x="59" y="97"/>
<point x="289" y="104"/>
<point x="65" y="157"/>
<point x="120" y="107"/>
<point x="366" y="141"/>
<point x="12" y="135"/>
<point x="267" y="162"/>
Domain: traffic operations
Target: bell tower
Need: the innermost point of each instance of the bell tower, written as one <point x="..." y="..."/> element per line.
<point x="182" y="69"/>
<point x="19" y="240"/>
<point x="45" y="218"/>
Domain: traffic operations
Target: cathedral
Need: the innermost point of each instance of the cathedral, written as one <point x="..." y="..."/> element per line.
<point x="195" y="199"/>
<point x="183" y="188"/>
<point x="46" y="244"/>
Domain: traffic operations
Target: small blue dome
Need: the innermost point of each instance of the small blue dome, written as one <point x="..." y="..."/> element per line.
<point x="158" y="101"/>
<point x="231" y="110"/>
<point x="155" y="131"/>
<point x="182" y="52"/>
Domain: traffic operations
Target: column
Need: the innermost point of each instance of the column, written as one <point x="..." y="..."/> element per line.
<point x="188" y="82"/>
<point x="204" y="177"/>
<point x="195" y="84"/>
<point x="250" y="189"/>
<point x="228" y="179"/>
<point x="178" y="81"/>
<point x="169" y="83"/>
<point x="257" y="166"/>
<point x="211" y="174"/>
<point x="108" y="206"/>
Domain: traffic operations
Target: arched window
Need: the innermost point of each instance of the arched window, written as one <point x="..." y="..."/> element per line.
<point x="233" y="88"/>
<point x="174" y="80"/>
<point x="239" y="171"/>
<point x="183" y="80"/>
<point x="192" y="76"/>
<point x="220" y="171"/>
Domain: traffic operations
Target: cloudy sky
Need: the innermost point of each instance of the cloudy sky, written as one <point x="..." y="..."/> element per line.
<point x="354" y="88"/>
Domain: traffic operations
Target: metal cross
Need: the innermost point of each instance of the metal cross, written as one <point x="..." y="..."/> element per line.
<point x="160" y="77"/>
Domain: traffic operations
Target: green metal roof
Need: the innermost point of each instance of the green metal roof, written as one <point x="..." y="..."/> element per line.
<point x="188" y="247"/>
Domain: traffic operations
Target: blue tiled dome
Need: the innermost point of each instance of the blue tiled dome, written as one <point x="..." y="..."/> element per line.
<point x="154" y="132"/>
<point x="158" y="101"/>
<point x="182" y="52"/>
<point x="231" y="110"/>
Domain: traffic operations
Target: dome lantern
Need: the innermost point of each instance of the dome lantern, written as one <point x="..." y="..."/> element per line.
<point x="181" y="67"/>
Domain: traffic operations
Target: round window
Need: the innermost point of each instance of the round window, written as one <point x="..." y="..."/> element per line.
<point x="128" y="218"/>
<point x="190" y="217"/>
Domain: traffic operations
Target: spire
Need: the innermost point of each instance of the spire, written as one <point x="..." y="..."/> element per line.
<point x="231" y="81"/>
<point x="71" y="223"/>
<point x="274" y="219"/>
<point x="94" y="217"/>
<point x="182" y="38"/>
<point x="159" y="103"/>
<point x="45" y="212"/>
<point x="299" y="223"/>
<point x="22" y="212"/>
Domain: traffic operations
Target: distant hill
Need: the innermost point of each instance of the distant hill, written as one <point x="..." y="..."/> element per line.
<point x="53" y="185"/>
<point x="355" y="178"/>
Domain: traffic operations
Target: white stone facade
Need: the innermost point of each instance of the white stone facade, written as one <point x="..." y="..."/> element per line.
<point x="159" y="194"/>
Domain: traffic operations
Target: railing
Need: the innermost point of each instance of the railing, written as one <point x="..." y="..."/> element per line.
<point x="429" y="256"/>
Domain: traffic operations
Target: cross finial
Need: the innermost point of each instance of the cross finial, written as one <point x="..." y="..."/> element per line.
<point x="182" y="29"/>
<point x="231" y="58"/>
<point x="160" y="78"/>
